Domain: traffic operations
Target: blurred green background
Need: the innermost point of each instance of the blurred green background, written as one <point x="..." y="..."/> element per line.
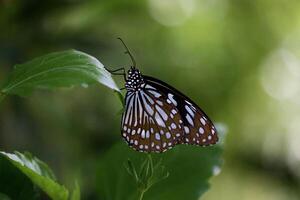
<point x="240" y="60"/>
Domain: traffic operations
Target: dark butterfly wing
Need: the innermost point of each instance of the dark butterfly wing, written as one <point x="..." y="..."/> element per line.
<point x="197" y="127"/>
<point x="149" y="123"/>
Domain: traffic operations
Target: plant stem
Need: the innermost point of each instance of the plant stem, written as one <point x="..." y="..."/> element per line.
<point x="141" y="194"/>
<point x="2" y="96"/>
<point x="121" y="98"/>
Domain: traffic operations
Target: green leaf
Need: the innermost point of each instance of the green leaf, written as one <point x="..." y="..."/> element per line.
<point x="187" y="168"/>
<point x="189" y="171"/>
<point x="23" y="176"/>
<point x="4" y="197"/>
<point x="76" y="192"/>
<point x="60" y="69"/>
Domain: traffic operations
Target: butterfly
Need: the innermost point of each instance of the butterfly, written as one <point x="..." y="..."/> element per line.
<point x="157" y="116"/>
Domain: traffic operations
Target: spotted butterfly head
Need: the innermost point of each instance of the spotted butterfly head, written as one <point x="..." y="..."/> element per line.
<point x="134" y="79"/>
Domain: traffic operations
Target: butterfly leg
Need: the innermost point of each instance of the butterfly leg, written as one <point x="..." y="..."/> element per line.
<point x="116" y="71"/>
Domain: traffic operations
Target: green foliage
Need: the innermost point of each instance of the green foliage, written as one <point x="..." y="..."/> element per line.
<point x="239" y="60"/>
<point x="148" y="174"/>
<point x="181" y="173"/>
<point x="54" y="70"/>
<point x="76" y="192"/>
<point x="4" y="197"/>
<point x="24" y="176"/>
<point x="188" y="170"/>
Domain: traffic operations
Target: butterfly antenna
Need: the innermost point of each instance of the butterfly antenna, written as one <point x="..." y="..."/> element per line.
<point x="128" y="52"/>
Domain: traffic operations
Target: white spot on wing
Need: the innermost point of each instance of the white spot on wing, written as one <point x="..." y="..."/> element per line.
<point x="173" y="125"/>
<point x="159" y="103"/>
<point x="133" y="132"/>
<point x="131" y="114"/>
<point x="157" y="136"/>
<point x="189" y="110"/>
<point x="147" y="134"/>
<point x="149" y="87"/>
<point x="143" y="133"/>
<point x="213" y="131"/>
<point x="186" y="129"/>
<point x="189" y="119"/>
<point x="188" y="102"/>
<point x="130" y="104"/>
<point x="162" y="112"/>
<point x="149" y="109"/>
<point x="168" y="135"/>
<point x="156" y="94"/>
<point x="202" y="121"/>
<point x="149" y="98"/>
<point x="201" y="130"/>
<point x="140" y="109"/>
<point x="159" y="120"/>
<point x="173" y="111"/>
<point x="135" y="111"/>
<point x="171" y="97"/>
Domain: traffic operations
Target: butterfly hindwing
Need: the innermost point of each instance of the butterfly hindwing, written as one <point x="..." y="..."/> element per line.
<point x="149" y="123"/>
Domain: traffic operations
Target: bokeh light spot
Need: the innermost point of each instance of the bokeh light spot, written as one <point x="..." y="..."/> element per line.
<point x="171" y="12"/>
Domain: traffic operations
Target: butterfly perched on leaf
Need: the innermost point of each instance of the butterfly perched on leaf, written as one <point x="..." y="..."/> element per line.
<point x="157" y="117"/>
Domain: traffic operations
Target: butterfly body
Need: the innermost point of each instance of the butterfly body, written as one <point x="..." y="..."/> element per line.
<point x="157" y="116"/>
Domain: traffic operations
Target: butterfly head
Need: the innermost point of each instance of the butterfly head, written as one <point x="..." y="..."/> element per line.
<point x="134" y="79"/>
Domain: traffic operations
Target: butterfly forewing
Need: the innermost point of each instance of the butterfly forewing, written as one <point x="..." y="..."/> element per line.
<point x="197" y="127"/>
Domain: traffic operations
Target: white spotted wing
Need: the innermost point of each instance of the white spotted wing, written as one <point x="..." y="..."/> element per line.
<point x="149" y="123"/>
<point x="158" y="117"/>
